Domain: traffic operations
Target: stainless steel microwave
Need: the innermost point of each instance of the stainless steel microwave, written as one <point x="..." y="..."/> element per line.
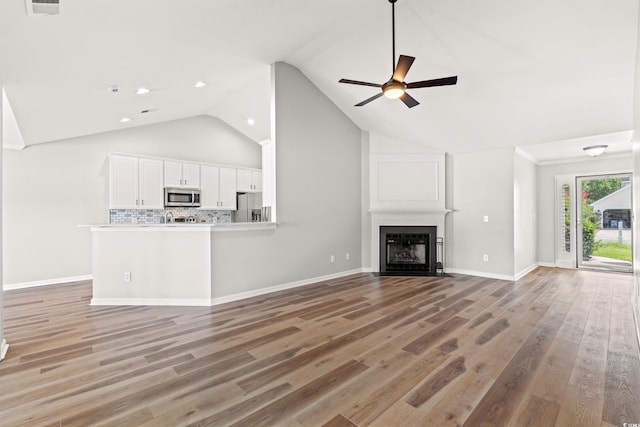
<point x="181" y="197"/>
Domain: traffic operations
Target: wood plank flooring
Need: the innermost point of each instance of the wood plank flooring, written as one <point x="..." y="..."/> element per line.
<point x="555" y="348"/>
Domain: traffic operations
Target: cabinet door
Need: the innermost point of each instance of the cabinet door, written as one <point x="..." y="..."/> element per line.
<point x="172" y="174"/>
<point x="209" y="187"/>
<point x="150" y="184"/>
<point x="244" y="180"/>
<point x="228" y="189"/>
<point x="256" y="180"/>
<point x="123" y="182"/>
<point x="191" y="175"/>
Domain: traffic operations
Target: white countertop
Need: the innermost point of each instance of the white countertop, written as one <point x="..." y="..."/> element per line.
<point x="222" y="226"/>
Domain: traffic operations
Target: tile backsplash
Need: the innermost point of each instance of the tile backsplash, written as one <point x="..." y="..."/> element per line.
<point x="156" y="216"/>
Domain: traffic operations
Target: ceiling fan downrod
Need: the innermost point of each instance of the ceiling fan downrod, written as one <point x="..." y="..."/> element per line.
<point x="393" y="35"/>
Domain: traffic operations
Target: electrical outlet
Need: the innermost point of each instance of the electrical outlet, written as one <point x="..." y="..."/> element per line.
<point x="347" y="256"/>
<point x="485" y="257"/>
<point x="127" y="276"/>
<point x="333" y="258"/>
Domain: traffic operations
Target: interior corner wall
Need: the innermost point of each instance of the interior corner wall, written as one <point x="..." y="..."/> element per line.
<point x="546" y="203"/>
<point x="3" y="344"/>
<point x="49" y="189"/>
<point x="524" y="215"/>
<point x="481" y="184"/>
<point x="318" y="158"/>
<point x="365" y="202"/>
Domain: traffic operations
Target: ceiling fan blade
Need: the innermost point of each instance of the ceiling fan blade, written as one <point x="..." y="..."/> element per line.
<point x="408" y="100"/>
<point x="368" y="100"/>
<point x="402" y="68"/>
<point x="356" y="82"/>
<point x="435" y="82"/>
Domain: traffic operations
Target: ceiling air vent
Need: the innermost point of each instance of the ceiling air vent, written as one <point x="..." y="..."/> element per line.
<point x="43" y="7"/>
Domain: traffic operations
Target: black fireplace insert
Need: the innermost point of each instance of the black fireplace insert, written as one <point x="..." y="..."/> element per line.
<point x="408" y="250"/>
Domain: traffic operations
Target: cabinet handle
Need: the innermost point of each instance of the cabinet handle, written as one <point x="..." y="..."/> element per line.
<point x="137" y="202"/>
<point x="142" y="202"/>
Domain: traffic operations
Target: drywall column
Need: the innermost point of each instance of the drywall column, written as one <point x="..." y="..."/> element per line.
<point x="635" y="141"/>
<point x="3" y="342"/>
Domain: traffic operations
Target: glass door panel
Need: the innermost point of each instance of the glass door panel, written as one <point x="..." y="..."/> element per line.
<point x="604" y="232"/>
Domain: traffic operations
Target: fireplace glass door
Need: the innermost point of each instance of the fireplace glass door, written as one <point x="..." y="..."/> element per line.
<point x="404" y="251"/>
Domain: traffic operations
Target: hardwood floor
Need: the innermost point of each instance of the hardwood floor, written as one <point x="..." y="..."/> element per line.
<point x="555" y="348"/>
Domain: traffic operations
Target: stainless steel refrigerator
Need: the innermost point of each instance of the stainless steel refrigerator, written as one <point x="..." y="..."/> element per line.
<point x="249" y="207"/>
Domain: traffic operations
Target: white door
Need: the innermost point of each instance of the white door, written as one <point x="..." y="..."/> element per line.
<point x="228" y="199"/>
<point x="123" y="182"/>
<point x="209" y="187"/>
<point x="151" y="192"/>
<point x="191" y="175"/>
<point x="172" y="174"/>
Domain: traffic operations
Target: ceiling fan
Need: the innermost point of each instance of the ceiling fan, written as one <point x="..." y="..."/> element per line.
<point x="396" y="87"/>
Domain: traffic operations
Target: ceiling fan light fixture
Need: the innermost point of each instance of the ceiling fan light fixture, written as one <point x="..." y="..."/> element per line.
<point x="393" y="89"/>
<point x="595" y="150"/>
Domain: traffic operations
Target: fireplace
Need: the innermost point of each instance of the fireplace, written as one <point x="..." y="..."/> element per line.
<point x="409" y="251"/>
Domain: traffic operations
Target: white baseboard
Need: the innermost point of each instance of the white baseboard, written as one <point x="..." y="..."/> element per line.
<point x="258" y="292"/>
<point x="3" y="349"/>
<point x="23" y="285"/>
<point x="547" y="264"/>
<point x="526" y="271"/>
<point x="193" y="302"/>
<point x="480" y="274"/>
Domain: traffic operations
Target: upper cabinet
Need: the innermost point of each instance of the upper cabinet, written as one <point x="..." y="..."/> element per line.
<point x="249" y="180"/>
<point x="218" y="186"/>
<point x="135" y="183"/>
<point x="179" y="174"/>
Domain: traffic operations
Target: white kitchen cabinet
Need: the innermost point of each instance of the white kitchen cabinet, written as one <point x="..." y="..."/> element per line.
<point x="135" y="183"/>
<point x="218" y="188"/>
<point x="249" y="180"/>
<point x="181" y="175"/>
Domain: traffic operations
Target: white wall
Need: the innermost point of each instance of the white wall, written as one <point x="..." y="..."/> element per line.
<point x="51" y="188"/>
<point x="524" y="215"/>
<point x="3" y="344"/>
<point x="546" y="195"/>
<point x="479" y="184"/>
<point x="318" y="197"/>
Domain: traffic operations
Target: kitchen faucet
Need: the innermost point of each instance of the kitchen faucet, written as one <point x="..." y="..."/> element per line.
<point x="168" y="217"/>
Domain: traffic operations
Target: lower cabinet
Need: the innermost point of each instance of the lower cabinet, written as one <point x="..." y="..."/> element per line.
<point x="218" y="188"/>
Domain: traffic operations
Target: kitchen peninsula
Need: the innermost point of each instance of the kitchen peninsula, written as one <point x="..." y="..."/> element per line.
<point x="158" y="264"/>
<point x="165" y="219"/>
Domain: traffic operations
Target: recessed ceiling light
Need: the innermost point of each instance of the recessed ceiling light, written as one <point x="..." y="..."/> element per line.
<point x="251" y="122"/>
<point x="142" y="91"/>
<point x="125" y="120"/>
<point x="200" y="84"/>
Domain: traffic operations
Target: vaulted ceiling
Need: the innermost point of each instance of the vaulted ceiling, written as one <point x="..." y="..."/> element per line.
<point x="529" y="72"/>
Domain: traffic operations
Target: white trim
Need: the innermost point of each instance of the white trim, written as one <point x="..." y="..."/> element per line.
<point x="619" y="155"/>
<point x="526" y="271"/>
<point x="152" y="301"/>
<point x="481" y="274"/>
<point x="23" y="285"/>
<point x="519" y="151"/>
<point x="3" y="349"/>
<point x="304" y="282"/>
<point x="547" y="264"/>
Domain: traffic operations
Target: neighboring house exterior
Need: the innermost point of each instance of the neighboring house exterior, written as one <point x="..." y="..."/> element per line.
<point x="615" y="208"/>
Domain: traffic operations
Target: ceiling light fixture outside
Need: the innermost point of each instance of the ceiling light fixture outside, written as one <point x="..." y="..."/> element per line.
<point x="142" y="91"/>
<point x="595" y="150"/>
<point x="250" y="121"/>
<point x="125" y="120"/>
<point x="200" y="84"/>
